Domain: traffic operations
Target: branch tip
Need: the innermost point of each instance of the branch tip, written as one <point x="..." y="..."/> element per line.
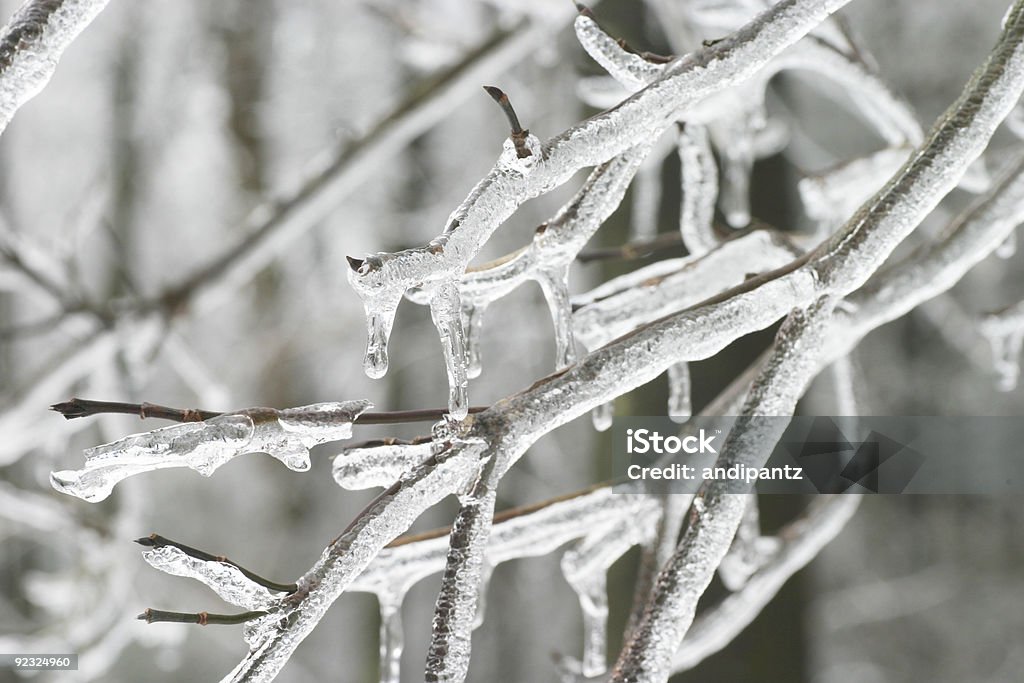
<point x="506" y="106"/>
<point x="584" y="10"/>
<point x="70" y="409"/>
<point x="355" y="263"/>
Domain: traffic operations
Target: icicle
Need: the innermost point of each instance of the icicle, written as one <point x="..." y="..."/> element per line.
<point x="593" y="596"/>
<point x="286" y="435"/>
<point x="378" y="465"/>
<point x="646" y="199"/>
<point x="680" y="408"/>
<point x="737" y="156"/>
<point x="1008" y="248"/>
<point x="473" y="321"/>
<point x="224" y="579"/>
<point x="486" y="572"/>
<point x="391" y="637"/>
<point x="585" y="567"/>
<point x="700" y="189"/>
<point x="446" y="312"/>
<point x="555" y="285"/>
<point x="379" y="322"/>
<point x="602" y="416"/>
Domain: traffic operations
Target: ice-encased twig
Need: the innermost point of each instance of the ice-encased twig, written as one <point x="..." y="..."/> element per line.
<point x="32" y="43"/>
<point x="226" y="580"/>
<point x="800" y="542"/>
<point x="286" y="435"/>
<point x="668" y="286"/>
<point x="455" y="611"/>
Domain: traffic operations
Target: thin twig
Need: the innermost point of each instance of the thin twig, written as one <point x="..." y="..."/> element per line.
<point x="80" y="407"/>
<point x="152" y="616"/>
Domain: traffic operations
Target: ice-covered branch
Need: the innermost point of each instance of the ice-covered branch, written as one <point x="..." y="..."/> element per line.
<point x="32" y="43"/>
<point x="286" y="435"/>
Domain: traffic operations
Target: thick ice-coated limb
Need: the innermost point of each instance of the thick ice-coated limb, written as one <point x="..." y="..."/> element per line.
<point x="32" y="43"/>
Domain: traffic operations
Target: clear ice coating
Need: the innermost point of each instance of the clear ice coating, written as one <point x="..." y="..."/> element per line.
<point x="204" y="446"/>
<point x="680" y="407"/>
<point x="225" y="580"/>
<point x="379" y="464"/>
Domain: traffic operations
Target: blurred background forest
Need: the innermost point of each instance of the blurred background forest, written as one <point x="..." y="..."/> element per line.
<point x="166" y="124"/>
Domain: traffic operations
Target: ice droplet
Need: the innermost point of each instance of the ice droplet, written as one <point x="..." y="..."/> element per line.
<point x="379" y="323"/>
<point x="602" y="416"/>
<point x="1008" y="248"/>
<point x="446" y="312"/>
<point x="680" y="408"/>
